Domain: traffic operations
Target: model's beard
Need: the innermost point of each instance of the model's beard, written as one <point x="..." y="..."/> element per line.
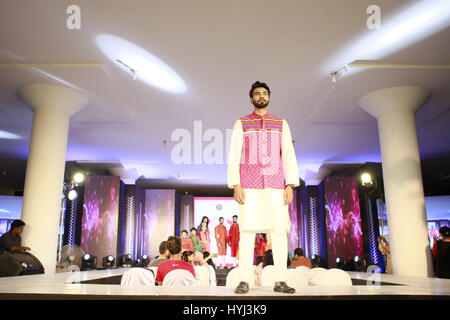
<point x="260" y="105"/>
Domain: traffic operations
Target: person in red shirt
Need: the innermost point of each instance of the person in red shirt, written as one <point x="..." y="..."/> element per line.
<point x="233" y="238"/>
<point x="175" y="262"/>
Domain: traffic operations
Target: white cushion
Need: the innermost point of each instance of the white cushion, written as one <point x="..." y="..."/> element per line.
<point x="314" y="274"/>
<point x="138" y="277"/>
<point x="202" y="275"/>
<point x="179" y="277"/>
<point x="334" y="278"/>
<point x="304" y="270"/>
<point x="233" y="278"/>
<point x="268" y="276"/>
<point x="212" y="276"/>
<point x="296" y="278"/>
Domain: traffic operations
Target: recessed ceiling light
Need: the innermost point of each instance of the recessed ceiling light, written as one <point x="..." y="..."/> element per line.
<point x="140" y="63"/>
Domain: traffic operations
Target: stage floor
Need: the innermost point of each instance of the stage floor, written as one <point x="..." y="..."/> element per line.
<point x="58" y="286"/>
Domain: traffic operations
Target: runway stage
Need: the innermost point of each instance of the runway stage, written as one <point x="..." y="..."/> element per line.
<point x="58" y="286"/>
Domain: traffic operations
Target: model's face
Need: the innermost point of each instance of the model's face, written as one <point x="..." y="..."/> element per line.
<point x="184" y="234"/>
<point x="193" y="233"/>
<point x="221" y="221"/>
<point x="234" y="219"/>
<point x="260" y="98"/>
<point x="205" y="220"/>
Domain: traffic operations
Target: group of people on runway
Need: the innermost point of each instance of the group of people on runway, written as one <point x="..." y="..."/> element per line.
<point x="199" y="242"/>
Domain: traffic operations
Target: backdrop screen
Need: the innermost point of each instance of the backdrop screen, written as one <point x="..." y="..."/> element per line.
<point x="214" y="208"/>
<point x="100" y="216"/>
<point x="343" y="219"/>
<point x="11" y="207"/>
<point x="5" y="226"/>
<point x="159" y="219"/>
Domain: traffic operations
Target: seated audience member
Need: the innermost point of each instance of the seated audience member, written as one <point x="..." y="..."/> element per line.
<point x="175" y="262"/>
<point x="11" y="240"/>
<point x="268" y="258"/>
<point x="188" y="256"/>
<point x="163" y="255"/>
<point x="441" y="251"/>
<point x="208" y="259"/>
<point x="300" y="259"/>
<point x="199" y="259"/>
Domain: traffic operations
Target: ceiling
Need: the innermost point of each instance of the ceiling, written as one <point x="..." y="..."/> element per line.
<point x="219" y="49"/>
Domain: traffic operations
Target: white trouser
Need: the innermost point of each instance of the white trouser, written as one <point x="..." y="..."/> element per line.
<point x="279" y="251"/>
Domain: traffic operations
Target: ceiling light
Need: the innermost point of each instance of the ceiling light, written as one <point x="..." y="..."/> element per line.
<point x="140" y="63"/>
<point x="413" y="23"/>
<point x="8" y="135"/>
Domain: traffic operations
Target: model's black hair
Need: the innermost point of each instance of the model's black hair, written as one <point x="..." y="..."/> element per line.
<point x="258" y="84"/>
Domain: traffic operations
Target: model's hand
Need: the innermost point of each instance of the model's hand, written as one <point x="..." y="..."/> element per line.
<point x="239" y="194"/>
<point x="288" y="195"/>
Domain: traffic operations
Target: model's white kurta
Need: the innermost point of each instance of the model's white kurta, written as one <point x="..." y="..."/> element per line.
<point x="263" y="210"/>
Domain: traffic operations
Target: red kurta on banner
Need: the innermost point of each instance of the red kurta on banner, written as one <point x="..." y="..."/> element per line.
<point x="221" y="239"/>
<point x="233" y="237"/>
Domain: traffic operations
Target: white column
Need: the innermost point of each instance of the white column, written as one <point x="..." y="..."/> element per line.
<point x="405" y="203"/>
<point x="52" y="107"/>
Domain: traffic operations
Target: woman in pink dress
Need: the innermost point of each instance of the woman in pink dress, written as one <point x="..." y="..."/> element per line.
<point x="204" y="237"/>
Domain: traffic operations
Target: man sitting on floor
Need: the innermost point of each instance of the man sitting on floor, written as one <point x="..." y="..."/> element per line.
<point x="175" y="262"/>
<point x="10" y="243"/>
